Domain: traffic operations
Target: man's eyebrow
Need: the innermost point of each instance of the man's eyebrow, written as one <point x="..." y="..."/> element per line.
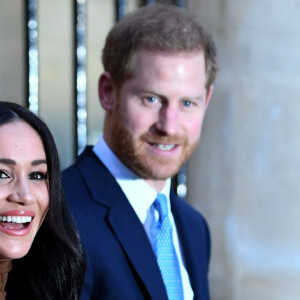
<point x="7" y="161"/>
<point x="199" y="98"/>
<point x="157" y="94"/>
<point x="149" y="91"/>
<point x="38" y="162"/>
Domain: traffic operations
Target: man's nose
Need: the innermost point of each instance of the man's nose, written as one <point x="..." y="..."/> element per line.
<point x="168" y="120"/>
<point x="22" y="193"/>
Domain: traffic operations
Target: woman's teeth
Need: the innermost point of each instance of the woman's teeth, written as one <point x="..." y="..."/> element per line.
<point x="16" y="219"/>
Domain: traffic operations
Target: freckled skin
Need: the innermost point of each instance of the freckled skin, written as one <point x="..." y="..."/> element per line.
<point x="23" y="185"/>
<point x="163" y="103"/>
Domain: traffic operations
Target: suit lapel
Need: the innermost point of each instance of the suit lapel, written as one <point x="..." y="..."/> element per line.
<point x="124" y="222"/>
<point x="193" y="245"/>
<point x="135" y="243"/>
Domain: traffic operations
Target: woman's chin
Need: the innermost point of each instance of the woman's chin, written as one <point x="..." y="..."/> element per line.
<point x="14" y="252"/>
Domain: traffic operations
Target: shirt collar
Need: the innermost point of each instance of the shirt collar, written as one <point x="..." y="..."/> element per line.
<point x="139" y="193"/>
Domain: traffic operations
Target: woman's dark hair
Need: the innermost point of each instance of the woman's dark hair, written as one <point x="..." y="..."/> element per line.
<point x="55" y="264"/>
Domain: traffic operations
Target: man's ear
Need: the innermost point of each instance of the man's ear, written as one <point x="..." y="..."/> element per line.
<point x="208" y="96"/>
<point x="106" y="91"/>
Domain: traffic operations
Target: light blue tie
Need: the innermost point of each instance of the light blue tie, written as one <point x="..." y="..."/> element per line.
<point x="165" y="252"/>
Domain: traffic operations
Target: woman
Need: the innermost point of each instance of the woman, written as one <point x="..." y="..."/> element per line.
<point x="36" y="229"/>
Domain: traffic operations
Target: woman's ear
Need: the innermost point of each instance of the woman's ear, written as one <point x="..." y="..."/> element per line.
<point x="106" y="91"/>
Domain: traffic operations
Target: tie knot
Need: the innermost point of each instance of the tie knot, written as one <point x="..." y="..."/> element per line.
<point x="161" y="205"/>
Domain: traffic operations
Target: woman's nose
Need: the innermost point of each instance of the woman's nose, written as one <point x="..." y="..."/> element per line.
<point x="21" y="193"/>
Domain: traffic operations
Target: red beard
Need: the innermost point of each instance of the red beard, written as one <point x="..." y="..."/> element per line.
<point x="135" y="155"/>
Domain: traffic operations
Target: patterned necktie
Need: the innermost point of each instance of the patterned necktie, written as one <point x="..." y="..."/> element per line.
<point x="165" y="251"/>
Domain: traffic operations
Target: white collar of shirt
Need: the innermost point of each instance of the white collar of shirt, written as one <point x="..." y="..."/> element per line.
<point x="139" y="193"/>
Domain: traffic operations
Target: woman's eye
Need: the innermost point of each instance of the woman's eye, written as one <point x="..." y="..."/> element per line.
<point x="38" y="176"/>
<point x="3" y="175"/>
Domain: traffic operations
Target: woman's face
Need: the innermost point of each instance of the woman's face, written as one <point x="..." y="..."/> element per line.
<point x="24" y="193"/>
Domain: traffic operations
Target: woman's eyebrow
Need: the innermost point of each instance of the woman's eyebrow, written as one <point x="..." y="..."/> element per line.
<point x="38" y="162"/>
<point x="7" y="161"/>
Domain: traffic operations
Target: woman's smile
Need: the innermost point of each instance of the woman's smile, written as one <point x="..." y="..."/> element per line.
<point x="24" y="195"/>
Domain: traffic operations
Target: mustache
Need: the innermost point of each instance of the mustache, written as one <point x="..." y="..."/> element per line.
<point x="156" y="138"/>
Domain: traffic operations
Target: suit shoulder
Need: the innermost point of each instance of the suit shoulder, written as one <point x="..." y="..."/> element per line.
<point x="72" y="172"/>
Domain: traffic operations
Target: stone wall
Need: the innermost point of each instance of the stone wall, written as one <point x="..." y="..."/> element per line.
<point x="244" y="176"/>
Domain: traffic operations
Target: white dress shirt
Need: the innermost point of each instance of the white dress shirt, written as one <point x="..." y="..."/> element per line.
<point x="141" y="196"/>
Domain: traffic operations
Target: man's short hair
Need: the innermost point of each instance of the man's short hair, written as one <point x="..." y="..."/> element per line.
<point x="160" y="28"/>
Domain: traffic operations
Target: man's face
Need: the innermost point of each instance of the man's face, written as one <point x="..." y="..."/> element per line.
<point x="156" y="120"/>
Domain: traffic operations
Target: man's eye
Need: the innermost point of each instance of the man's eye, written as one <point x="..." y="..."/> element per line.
<point x="187" y="103"/>
<point x="38" y="176"/>
<point x="151" y="99"/>
<point x="3" y="175"/>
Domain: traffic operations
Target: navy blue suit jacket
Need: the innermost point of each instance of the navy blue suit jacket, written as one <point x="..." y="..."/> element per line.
<point x="121" y="262"/>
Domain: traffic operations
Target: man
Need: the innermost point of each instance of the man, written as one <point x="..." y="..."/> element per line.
<point x="142" y="241"/>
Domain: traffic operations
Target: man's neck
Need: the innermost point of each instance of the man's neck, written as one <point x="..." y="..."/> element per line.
<point x="158" y="185"/>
